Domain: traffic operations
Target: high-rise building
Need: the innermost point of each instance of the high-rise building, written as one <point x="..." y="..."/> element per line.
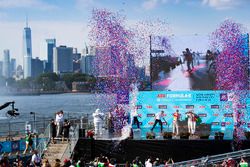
<point x="12" y="67"/>
<point x="6" y="63"/>
<point x="1" y="68"/>
<point x="89" y="64"/>
<point x="19" y="72"/>
<point x="27" y="51"/>
<point x="83" y="65"/>
<point x="37" y="67"/>
<point x="62" y="59"/>
<point x="87" y="60"/>
<point x="51" y="43"/>
<point x="76" y="61"/>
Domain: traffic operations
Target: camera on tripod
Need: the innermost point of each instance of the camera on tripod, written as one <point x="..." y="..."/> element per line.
<point x="10" y="113"/>
<point x="13" y="112"/>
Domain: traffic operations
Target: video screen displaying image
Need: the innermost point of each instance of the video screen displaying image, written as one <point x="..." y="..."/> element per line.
<point x="195" y="62"/>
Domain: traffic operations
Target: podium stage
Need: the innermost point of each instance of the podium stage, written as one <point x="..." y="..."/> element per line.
<point x="178" y="149"/>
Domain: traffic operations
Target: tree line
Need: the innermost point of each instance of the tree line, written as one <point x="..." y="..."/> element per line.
<point x="48" y="81"/>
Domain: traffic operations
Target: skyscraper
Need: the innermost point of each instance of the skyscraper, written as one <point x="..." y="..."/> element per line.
<point x="62" y="59"/>
<point x="51" y="43"/>
<point x="6" y="63"/>
<point x="76" y="61"/>
<point x="27" y="51"/>
<point x="12" y="67"/>
<point x="87" y="60"/>
<point x="89" y="64"/>
<point x="83" y="65"/>
<point x="1" y="68"/>
<point x="37" y="67"/>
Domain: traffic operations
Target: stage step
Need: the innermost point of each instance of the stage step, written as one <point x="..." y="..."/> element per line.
<point x="55" y="151"/>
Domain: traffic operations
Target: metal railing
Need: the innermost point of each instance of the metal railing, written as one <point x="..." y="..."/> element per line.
<point x="74" y="136"/>
<point x="204" y="161"/>
<point x="12" y="130"/>
<point x="42" y="146"/>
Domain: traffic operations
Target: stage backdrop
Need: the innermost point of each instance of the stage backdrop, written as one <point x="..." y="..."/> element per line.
<point x="213" y="107"/>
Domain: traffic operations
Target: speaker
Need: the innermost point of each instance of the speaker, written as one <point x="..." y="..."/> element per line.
<point x="82" y="133"/>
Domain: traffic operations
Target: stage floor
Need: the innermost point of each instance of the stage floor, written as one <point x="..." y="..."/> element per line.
<point x="140" y="134"/>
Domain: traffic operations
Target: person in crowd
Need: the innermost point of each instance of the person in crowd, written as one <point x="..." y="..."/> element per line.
<point x="137" y="162"/>
<point x="112" y="162"/>
<point x="59" y="122"/>
<point x="176" y="121"/>
<point x="46" y="163"/>
<point x="81" y="162"/>
<point x="66" y="127"/>
<point x="158" y="117"/>
<point x="4" y="162"/>
<point x="96" y="161"/>
<point x="66" y="163"/>
<point x="35" y="159"/>
<point x="229" y="163"/>
<point x="148" y="163"/>
<point x="156" y="162"/>
<point x="135" y="120"/>
<point x="17" y="162"/>
<point x="98" y="121"/>
<point x="243" y="163"/>
<point x="28" y="143"/>
<point x="52" y="130"/>
<point x="191" y="122"/>
<point x="57" y="163"/>
<point x="73" y="163"/>
<point x="169" y="163"/>
<point x="188" y="59"/>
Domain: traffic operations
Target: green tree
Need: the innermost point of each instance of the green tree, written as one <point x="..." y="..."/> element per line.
<point x="25" y="83"/>
<point x="77" y="77"/>
<point x="47" y="81"/>
<point x="2" y="81"/>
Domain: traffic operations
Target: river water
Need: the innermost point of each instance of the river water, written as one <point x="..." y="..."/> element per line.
<point x="45" y="106"/>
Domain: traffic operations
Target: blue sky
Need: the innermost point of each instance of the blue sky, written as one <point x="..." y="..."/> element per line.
<point x="67" y="20"/>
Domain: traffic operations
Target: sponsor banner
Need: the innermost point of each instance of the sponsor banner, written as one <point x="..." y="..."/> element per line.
<point x="14" y="146"/>
<point x="213" y="107"/>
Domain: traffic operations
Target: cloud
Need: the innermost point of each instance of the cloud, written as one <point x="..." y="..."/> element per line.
<point x="85" y="3"/>
<point x="37" y="4"/>
<point x="152" y="4"/>
<point x="222" y="4"/>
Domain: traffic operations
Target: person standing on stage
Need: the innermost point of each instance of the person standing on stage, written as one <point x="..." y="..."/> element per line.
<point x="176" y="122"/>
<point x="98" y="121"/>
<point x="158" y="117"/>
<point x="66" y="127"/>
<point x="191" y="122"/>
<point x="135" y="120"/>
<point x="52" y="131"/>
<point x="188" y="58"/>
<point x="59" y="123"/>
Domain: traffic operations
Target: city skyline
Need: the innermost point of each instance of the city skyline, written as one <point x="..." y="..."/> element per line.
<point x="69" y="25"/>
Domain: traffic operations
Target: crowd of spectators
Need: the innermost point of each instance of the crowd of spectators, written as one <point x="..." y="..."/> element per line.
<point x="102" y="161"/>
